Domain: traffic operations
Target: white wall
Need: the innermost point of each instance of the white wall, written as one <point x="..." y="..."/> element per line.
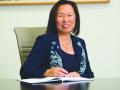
<point x="100" y="26"/>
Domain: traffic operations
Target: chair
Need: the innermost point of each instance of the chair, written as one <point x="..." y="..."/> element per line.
<point x="26" y="37"/>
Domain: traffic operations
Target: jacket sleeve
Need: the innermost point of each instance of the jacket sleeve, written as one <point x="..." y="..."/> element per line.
<point x="88" y="72"/>
<point x="37" y="62"/>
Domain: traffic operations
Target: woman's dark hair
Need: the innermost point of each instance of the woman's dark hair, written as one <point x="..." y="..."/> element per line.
<point x="52" y="28"/>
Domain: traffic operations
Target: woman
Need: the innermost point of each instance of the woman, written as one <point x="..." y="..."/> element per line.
<point x="59" y="52"/>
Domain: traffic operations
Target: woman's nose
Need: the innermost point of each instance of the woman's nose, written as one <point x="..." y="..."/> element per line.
<point x="65" y="19"/>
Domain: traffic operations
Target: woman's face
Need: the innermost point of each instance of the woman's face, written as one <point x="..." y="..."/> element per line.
<point x="65" y="19"/>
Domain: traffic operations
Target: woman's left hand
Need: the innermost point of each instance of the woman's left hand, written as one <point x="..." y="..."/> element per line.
<point x="73" y="74"/>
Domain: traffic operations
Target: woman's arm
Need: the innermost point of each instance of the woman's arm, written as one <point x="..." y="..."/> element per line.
<point x="37" y="61"/>
<point x="88" y="72"/>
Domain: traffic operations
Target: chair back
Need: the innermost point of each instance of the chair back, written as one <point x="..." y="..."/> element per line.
<point x="26" y="37"/>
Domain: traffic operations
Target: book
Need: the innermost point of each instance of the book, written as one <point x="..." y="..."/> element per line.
<point x="55" y="79"/>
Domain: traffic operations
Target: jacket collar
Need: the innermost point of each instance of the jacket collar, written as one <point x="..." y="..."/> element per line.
<point x="75" y="42"/>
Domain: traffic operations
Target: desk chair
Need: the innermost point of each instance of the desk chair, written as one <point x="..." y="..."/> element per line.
<point x="26" y="37"/>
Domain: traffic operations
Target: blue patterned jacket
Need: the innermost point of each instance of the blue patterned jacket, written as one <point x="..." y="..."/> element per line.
<point x="39" y="59"/>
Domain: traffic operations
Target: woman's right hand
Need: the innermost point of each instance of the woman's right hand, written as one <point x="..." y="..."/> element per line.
<point x="55" y="72"/>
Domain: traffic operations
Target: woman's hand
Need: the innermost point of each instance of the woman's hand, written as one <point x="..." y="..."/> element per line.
<point x="73" y="74"/>
<point x="55" y="72"/>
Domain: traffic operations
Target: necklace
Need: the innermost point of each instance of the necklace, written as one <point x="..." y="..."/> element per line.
<point x="66" y="45"/>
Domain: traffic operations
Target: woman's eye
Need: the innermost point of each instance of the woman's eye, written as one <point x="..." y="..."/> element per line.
<point x="60" y="15"/>
<point x="69" y="15"/>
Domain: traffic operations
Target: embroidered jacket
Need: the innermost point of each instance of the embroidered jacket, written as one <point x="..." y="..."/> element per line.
<point x="44" y="55"/>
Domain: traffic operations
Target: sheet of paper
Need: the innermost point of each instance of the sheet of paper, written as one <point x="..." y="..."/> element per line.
<point x="38" y="80"/>
<point x="52" y="79"/>
<point x="75" y="79"/>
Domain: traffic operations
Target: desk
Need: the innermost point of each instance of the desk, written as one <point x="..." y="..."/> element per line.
<point x="96" y="84"/>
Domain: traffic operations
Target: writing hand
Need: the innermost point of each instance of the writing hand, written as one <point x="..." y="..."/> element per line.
<point x="55" y="72"/>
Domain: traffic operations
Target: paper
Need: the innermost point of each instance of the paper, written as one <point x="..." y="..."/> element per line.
<point x="55" y="79"/>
